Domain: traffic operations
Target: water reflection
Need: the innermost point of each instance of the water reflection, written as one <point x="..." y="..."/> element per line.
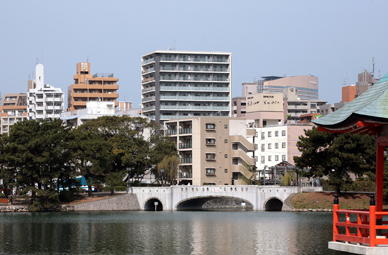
<point x="165" y="233"/>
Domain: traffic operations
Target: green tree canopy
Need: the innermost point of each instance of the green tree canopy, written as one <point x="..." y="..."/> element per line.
<point x="335" y="156"/>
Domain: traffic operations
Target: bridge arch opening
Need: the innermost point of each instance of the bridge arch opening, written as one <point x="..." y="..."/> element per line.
<point x="214" y="203"/>
<point x="273" y="204"/>
<point x="153" y="204"/>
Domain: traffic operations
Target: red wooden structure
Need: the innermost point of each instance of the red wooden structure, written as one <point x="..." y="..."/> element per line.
<point x="367" y="114"/>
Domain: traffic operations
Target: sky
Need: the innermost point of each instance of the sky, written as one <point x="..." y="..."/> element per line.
<point x="331" y="39"/>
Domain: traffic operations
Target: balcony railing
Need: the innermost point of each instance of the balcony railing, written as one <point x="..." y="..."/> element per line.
<point x="171" y="131"/>
<point x="185" y="131"/>
<point x="195" y="98"/>
<point x="186" y="160"/>
<point x="194" y="88"/>
<point x="185" y="146"/>
<point x="185" y="175"/>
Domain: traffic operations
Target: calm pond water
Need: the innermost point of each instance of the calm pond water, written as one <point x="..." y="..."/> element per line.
<point x="203" y="232"/>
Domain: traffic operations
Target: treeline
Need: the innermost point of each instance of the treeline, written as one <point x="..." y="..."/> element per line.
<point x="39" y="156"/>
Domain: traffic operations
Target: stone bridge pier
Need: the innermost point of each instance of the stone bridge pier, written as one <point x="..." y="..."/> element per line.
<point x="175" y="198"/>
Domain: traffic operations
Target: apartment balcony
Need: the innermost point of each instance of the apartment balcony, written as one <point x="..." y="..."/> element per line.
<point x="243" y="156"/>
<point x="210" y="156"/>
<point x="110" y="95"/>
<point x="186" y="160"/>
<point x="180" y="88"/>
<point x="148" y="80"/>
<point x="185" y="175"/>
<point x="199" y="108"/>
<point x="241" y="169"/>
<point x="171" y="132"/>
<point x="146" y="99"/>
<point x="205" y="98"/>
<point x="148" y="89"/>
<point x="148" y="61"/>
<point x="243" y="141"/>
<point x="185" y="146"/>
<point x="148" y="70"/>
<point x="185" y="130"/>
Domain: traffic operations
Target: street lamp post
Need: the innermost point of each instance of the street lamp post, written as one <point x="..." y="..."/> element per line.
<point x="162" y="171"/>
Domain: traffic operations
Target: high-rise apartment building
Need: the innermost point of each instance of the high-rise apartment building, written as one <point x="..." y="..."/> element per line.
<point x="87" y="87"/>
<point x="12" y="110"/>
<point x="179" y="84"/>
<point x="44" y="101"/>
<point x="213" y="150"/>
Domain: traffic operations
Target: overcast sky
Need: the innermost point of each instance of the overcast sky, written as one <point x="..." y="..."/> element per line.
<point x="331" y="39"/>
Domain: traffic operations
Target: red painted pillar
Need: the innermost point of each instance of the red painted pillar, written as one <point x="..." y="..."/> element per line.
<point x="379" y="174"/>
<point x="372" y="226"/>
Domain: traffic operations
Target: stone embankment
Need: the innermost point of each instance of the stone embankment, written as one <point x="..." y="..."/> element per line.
<point x="311" y="210"/>
<point x="126" y="202"/>
<point x="14" y="208"/>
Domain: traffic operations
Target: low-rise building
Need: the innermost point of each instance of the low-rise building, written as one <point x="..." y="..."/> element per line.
<point x="213" y="150"/>
<point x="12" y="110"/>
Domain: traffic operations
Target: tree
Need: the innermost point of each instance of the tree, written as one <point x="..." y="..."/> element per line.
<point x="335" y="156"/>
<point x="170" y="166"/>
<point x="38" y="153"/>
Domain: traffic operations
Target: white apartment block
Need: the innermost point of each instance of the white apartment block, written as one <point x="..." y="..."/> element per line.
<point x="44" y="101"/>
<point x="277" y="144"/>
<point x="181" y="84"/>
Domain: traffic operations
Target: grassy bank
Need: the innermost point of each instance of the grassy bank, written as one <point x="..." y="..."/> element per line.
<point x="324" y="200"/>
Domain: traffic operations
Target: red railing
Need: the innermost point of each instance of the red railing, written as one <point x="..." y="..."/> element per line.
<point x="361" y="231"/>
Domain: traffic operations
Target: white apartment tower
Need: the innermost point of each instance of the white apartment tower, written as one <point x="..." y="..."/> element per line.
<point x="44" y="101"/>
<point x="181" y="84"/>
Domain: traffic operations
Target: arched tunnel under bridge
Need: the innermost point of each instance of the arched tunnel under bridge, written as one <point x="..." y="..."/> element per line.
<point x="153" y="204"/>
<point x="273" y="204"/>
<point x="213" y="203"/>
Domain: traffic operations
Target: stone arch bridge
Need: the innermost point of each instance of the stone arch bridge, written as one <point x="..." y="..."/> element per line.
<point x="175" y="198"/>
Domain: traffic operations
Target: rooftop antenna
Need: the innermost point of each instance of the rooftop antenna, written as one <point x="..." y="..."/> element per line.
<point x="87" y="59"/>
<point x="373" y="64"/>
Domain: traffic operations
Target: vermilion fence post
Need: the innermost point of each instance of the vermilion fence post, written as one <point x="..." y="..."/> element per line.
<point x="335" y="216"/>
<point x="372" y="222"/>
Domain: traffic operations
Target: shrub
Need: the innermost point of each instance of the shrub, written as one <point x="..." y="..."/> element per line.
<point x="46" y="201"/>
<point x="66" y="196"/>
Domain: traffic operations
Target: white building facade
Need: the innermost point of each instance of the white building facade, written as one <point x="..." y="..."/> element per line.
<point x="44" y="101"/>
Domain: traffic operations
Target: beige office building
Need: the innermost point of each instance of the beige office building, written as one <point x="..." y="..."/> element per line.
<point x="87" y="87"/>
<point x="213" y="150"/>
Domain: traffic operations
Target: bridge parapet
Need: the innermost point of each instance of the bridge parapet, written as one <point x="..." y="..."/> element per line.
<point x="171" y="197"/>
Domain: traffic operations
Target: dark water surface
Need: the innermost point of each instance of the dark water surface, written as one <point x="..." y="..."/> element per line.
<point x="203" y="232"/>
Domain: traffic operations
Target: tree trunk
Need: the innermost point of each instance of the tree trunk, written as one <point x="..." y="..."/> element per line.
<point x="112" y="190"/>
<point x="90" y="191"/>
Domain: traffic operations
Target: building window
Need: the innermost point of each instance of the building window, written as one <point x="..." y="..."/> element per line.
<point x="210" y="126"/>
<point x="226" y="156"/>
<point x="210" y="156"/>
<point x="210" y="171"/>
<point x="226" y="126"/>
<point x="283" y="157"/>
<point x="226" y="141"/>
<point x="263" y="135"/>
<point x="263" y="147"/>
<point x="269" y="146"/>
<point x="276" y="145"/>
<point x="276" y="133"/>
<point x="226" y="170"/>
<point x="276" y="157"/>
<point x="262" y="159"/>
<point x="269" y="158"/>
<point x="269" y="134"/>
<point x="235" y="161"/>
<point x="210" y="141"/>
<point x="283" y="132"/>
<point x="283" y="145"/>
